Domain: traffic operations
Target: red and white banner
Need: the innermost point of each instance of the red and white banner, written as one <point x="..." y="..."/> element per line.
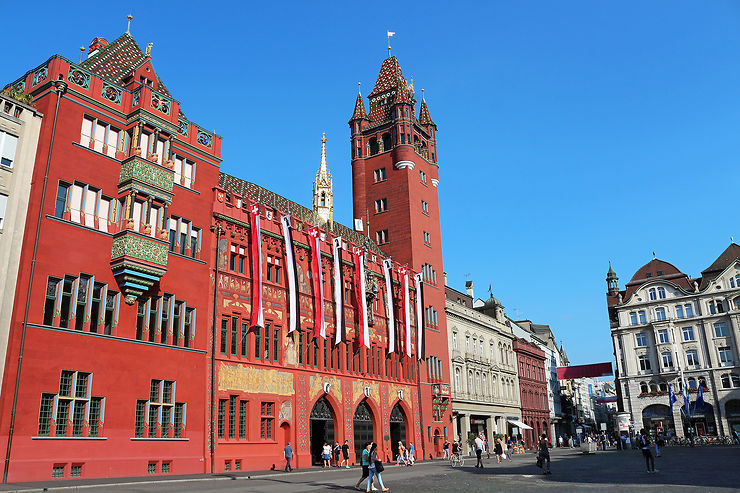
<point x="257" y="316"/>
<point x="319" y="328"/>
<point x="387" y="270"/>
<point x="290" y="270"/>
<point x="363" y="334"/>
<point x="406" y="345"/>
<point x="420" y="349"/>
<point x="338" y="290"/>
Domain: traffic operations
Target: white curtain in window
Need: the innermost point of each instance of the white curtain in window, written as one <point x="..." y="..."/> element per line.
<point x="91" y="201"/>
<point x="99" y="136"/>
<point x="178" y="170"/>
<point x="188" y="173"/>
<point x="138" y="209"/>
<point x="87" y="131"/>
<point x="154" y="220"/>
<point x="144" y="144"/>
<point x="8" y="144"/>
<point x="112" y="142"/>
<point x="103" y="211"/>
<point x="160" y="150"/>
<point x="75" y="202"/>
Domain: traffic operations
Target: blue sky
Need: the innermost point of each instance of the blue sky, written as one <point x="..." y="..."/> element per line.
<point x="570" y="133"/>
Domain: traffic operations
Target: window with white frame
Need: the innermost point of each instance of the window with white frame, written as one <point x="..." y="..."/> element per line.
<point x="457" y="380"/>
<point x="644" y="361"/>
<point x="467" y="344"/>
<point x="720" y="329"/>
<point x="725" y="356"/>
<point x="661" y="293"/>
<point x="660" y="314"/>
<point x="379" y="175"/>
<point x="641" y="339"/>
<point x="8" y="146"/>
<point x="381" y="236"/>
<point x="427" y="238"/>
<point x="425" y="207"/>
<point x="667" y="359"/>
<point x="735" y="281"/>
<point x="652" y="294"/>
<point x="692" y="357"/>
<point x="184" y="171"/>
<point x="688" y="333"/>
<point x="684" y="311"/>
<point x="381" y="205"/>
<point x="423" y="176"/>
<point x="84" y="204"/>
<point x="716" y="306"/>
<point x="730" y="380"/>
<point x="103" y="137"/>
<point x="663" y="336"/>
<point x="454" y="340"/>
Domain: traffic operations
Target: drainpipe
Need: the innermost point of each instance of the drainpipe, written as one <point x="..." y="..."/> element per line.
<point x="421" y="411"/>
<point x="218" y="230"/>
<point x="60" y="87"/>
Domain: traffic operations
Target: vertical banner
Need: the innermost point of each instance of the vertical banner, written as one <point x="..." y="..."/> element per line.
<point x="420" y="349"/>
<point x="363" y="334"/>
<point x="406" y="310"/>
<point x="290" y="270"/>
<point x="319" y="326"/>
<point x="338" y="290"/>
<point x="257" y="317"/>
<point x="387" y="269"/>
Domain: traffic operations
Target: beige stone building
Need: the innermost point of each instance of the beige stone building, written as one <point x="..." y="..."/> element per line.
<point x="485" y="387"/>
<point x="19" y="134"/>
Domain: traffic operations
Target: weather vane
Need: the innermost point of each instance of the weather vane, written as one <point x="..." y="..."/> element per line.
<point x="389" y="35"/>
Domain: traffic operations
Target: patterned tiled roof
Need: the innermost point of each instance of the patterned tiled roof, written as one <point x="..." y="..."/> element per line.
<point x="424" y="117"/>
<point x="359" y="109"/>
<point x="256" y="193"/>
<point x="389" y="76"/>
<point x="119" y="60"/>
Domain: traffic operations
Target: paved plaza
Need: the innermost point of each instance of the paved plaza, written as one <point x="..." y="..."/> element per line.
<point x="706" y="469"/>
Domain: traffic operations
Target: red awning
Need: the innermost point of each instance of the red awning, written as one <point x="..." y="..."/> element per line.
<point x="584" y="371"/>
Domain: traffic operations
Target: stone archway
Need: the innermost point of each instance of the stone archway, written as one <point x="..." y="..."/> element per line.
<point x="364" y="430"/>
<point x="658" y="418"/>
<point x="399" y="428"/>
<point x="323" y="420"/>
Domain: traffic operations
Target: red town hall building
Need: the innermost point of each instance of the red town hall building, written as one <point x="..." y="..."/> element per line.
<point x="533" y="390"/>
<point x="130" y="224"/>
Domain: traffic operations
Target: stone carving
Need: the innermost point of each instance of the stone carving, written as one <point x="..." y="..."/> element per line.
<point x="359" y="387"/>
<point x="316" y="387"/>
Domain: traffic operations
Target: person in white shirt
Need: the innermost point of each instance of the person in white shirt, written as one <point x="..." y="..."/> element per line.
<point x="479" y="444"/>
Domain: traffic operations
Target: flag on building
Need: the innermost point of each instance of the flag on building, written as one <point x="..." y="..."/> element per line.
<point x="671" y="397"/>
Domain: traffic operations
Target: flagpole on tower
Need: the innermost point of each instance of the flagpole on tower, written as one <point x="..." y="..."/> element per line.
<point x="389" y="35"/>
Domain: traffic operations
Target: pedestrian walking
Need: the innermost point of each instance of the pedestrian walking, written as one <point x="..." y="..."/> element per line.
<point x="509" y="448"/>
<point x="365" y="463"/>
<point x="659" y="442"/>
<point x="326" y="455"/>
<point x="336" y="452"/>
<point x="446" y="449"/>
<point x="288" y="454"/>
<point x="498" y="450"/>
<point x="375" y="468"/>
<point x="401" y="459"/>
<point x="560" y="441"/>
<point x="479" y="451"/>
<point x="345" y="454"/>
<point x="570" y="441"/>
<point x="544" y="454"/>
<point x="488" y="450"/>
<point x="410" y="454"/>
<point x="644" y="443"/>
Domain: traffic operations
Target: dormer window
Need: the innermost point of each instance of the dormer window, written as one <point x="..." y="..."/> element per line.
<point x="661" y="293"/>
<point x="652" y="293"/>
<point x="146" y="81"/>
<point x="735" y="281"/>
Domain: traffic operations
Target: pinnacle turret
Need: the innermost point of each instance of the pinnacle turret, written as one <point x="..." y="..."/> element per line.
<point x="323" y="195"/>
<point x="424" y="116"/>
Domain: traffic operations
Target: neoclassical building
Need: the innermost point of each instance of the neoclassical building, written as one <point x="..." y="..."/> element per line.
<point x="665" y="322"/>
<point x="485" y="387"/>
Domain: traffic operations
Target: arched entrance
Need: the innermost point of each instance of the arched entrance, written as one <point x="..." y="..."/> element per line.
<point x="322" y="428"/>
<point x="398" y="428"/>
<point x="363" y="425"/>
<point x="658" y="418"/>
<point x="701" y="421"/>
<point x="732" y="412"/>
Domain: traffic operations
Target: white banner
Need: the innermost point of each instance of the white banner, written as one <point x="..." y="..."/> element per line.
<point x="338" y="290"/>
<point x="290" y="269"/>
<point x="419" y="317"/>
<point x="387" y="269"/>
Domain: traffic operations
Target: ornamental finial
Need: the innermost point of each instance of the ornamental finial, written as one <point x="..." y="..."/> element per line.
<point x="422" y="94"/>
<point x="82" y="52"/>
<point x="359" y="91"/>
<point x="128" y="28"/>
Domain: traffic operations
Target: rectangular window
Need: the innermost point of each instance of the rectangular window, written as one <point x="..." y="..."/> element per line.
<point x="221" y="417"/>
<point x="633" y="318"/>
<point x="660" y="314"/>
<point x="378" y="174"/>
<point x="266" y="419"/>
<point x="189" y="326"/>
<point x="62" y="417"/>
<point x="381" y="236"/>
<point x="66" y="301"/>
<point x="641" y="314"/>
<point x="663" y="336"/>
<point x="381" y="205"/>
<point x="725" y="356"/>
<point x="179" y="419"/>
<point x="644" y="363"/>
<point x="679" y="311"/>
<point x="667" y="360"/>
<point x="692" y="357"/>
<point x="234" y="335"/>
<point x="140" y="418"/>
<point x="232" y="416"/>
<point x="45" y="413"/>
<point x="688" y="310"/>
<point x="688" y="333"/>
<point x="8" y="145"/>
<point x="720" y="329"/>
<point x="224" y="335"/>
<point x="425" y="207"/>
<point x="242" y="419"/>
<point x="276" y="345"/>
<point x="422" y="177"/>
<point x="427" y="238"/>
<point x="267" y="342"/>
<point x="96" y="404"/>
<point x="245" y="331"/>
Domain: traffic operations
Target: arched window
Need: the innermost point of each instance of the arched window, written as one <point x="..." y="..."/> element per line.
<point x="664" y="387"/>
<point x="457" y="380"/>
<point x="726" y="381"/>
<point x="477" y="383"/>
<point x="323" y="199"/>
<point x="652" y="294"/>
<point x="703" y="383"/>
<point x="484" y="377"/>
<point x="493" y="385"/>
<point x="470" y="382"/>
<point x="653" y="387"/>
<point x="735" y="380"/>
<point x="643" y="388"/>
<point x="387" y="141"/>
<point x="692" y="384"/>
<point x="374" y="147"/>
<point x="661" y="293"/>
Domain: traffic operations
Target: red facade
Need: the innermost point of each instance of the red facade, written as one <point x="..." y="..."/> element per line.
<point x="135" y="354"/>
<point x="113" y="373"/>
<point x="533" y="390"/>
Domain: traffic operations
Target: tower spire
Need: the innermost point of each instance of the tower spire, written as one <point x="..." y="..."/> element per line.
<point x="323" y="195"/>
<point x="322" y="167"/>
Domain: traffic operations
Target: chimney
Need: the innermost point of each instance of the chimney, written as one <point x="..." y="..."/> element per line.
<point x="469" y="288"/>
<point x="97" y="44"/>
<point x="445" y="278"/>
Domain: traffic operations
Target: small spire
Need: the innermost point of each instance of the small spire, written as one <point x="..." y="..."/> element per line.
<point x="653" y="254"/>
<point x="359" y="89"/>
<point x="422" y="94"/>
<point x="82" y="52"/>
<point x="322" y="168"/>
<point x="128" y="27"/>
<point x="389" y="34"/>
<point x="149" y="49"/>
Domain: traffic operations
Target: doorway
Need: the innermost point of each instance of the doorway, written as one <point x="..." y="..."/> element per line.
<point x="363" y="425"/>
<point x="322" y="429"/>
<point x="398" y="429"/>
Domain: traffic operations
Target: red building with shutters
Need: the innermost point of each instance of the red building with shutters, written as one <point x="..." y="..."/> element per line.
<point x="121" y="365"/>
<point x="533" y="391"/>
<point x="112" y="380"/>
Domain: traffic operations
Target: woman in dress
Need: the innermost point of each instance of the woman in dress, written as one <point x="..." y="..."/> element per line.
<point x="499" y="450"/>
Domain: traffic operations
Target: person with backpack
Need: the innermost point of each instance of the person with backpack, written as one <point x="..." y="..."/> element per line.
<point x="544" y="454"/>
<point x="643" y="441"/>
<point x="659" y="442"/>
<point x="375" y="468"/>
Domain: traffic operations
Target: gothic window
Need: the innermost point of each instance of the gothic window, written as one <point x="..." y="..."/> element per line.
<point x="387" y="141"/>
<point x="374" y="146"/>
<point x="323" y="199"/>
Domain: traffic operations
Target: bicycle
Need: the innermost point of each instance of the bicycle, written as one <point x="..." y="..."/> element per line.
<point x="457" y="460"/>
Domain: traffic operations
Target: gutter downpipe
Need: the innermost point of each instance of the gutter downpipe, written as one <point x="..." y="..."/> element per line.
<point x="60" y="87"/>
